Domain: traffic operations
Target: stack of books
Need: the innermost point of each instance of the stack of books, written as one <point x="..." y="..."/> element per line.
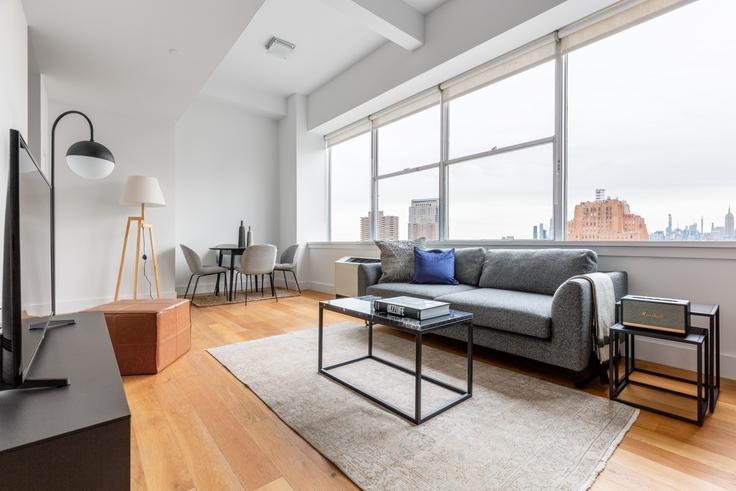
<point x="414" y="308"/>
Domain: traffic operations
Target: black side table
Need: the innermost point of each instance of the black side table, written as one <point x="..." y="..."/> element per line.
<point x="712" y="312"/>
<point x="704" y="381"/>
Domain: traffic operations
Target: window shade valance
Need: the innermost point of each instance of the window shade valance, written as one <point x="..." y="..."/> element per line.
<point x="407" y="107"/>
<point x="615" y="18"/>
<point x="348" y="132"/>
<point x="606" y="22"/>
<point x="506" y="65"/>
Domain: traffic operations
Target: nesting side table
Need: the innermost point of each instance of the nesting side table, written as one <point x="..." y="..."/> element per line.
<point x="704" y="378"/>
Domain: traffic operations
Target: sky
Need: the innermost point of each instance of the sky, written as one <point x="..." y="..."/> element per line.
<point x="651" y="118"/>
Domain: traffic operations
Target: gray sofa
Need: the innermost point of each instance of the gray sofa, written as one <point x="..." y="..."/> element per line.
<point x="523" y="299"/>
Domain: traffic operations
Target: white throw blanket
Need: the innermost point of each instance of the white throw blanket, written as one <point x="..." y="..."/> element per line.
<point x="604" y="310"/>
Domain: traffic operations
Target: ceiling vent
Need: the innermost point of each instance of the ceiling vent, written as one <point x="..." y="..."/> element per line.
<point x="279" y="47"/>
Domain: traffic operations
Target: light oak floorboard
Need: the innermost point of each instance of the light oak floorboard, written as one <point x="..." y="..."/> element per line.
<point x="195" y="426"/>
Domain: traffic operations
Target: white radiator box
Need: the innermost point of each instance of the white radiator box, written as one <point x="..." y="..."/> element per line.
<point x="346" y="274"/>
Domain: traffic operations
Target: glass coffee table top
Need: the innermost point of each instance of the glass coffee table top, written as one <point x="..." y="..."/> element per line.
<point x="362" y="307"/>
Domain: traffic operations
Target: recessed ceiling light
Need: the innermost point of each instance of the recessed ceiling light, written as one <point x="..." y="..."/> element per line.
<point x="174" y="51"/>
<point x="279" y="47"/>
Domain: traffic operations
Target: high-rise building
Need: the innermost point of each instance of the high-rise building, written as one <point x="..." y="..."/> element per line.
<point x="606" y="219"/>
<point x="388" y="227"/>
<point x="600" y="194"/>
<point x="728" y="225"/>
<point x="424" y="219"/>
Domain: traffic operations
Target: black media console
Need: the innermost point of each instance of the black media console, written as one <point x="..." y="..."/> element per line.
<point x="73" y="437"/>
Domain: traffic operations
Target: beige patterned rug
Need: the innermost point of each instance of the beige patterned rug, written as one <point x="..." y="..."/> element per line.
<point x="516" y="432"/>
<point x="212" y="300"/>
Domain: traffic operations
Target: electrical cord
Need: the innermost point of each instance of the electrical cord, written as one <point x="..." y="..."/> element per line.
<point x="145" y="262"/>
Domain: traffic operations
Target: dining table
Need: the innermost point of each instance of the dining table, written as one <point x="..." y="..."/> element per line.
<point x="233" y="250"/>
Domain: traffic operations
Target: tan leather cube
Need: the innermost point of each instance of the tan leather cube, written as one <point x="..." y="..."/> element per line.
<point x="148" y="335"/>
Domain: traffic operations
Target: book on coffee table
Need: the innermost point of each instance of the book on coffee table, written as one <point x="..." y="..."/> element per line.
<point x="415" y="308"/>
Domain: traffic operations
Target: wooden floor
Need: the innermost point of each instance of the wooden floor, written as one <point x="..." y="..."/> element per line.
<point x="196" y="426"/>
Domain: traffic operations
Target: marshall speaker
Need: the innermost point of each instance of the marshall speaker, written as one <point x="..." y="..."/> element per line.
<point x="657" y="314"/>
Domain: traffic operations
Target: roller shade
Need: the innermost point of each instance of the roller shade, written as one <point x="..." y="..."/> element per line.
<point x="350" y="131"/>
<point x="502" y="67"/>
<point x="407" y="107"/>
<point x="614" y="19"/>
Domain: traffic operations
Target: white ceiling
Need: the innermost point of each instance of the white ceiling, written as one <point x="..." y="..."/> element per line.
<point x="424" y="6"/>
<point x="327" y="42"/>
<point x="115" y="54"/>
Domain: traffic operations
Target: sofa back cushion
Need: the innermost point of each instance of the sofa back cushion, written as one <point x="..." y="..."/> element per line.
<point x="535" y="270"/>
<point x="469" y="264"/>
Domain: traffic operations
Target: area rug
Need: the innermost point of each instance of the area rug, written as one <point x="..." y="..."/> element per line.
<point x="516" y="432"/>
<point x="212" y="300"/>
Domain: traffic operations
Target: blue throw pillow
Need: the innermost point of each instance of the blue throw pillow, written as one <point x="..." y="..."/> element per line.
<point x="434" y="267"/>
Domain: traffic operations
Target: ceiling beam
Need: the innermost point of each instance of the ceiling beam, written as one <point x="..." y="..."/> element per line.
<point x="392" y="19"/>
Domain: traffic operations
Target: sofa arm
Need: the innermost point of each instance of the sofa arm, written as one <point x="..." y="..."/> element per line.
<point x="572" y="319"/>
<point x="572" y="314"/>
<point x="620" y="283"/>
<point x="368" y="274"/>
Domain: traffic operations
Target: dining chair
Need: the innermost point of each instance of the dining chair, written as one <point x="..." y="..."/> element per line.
<point x="259" y="260"/>
<point x="199" y="270"/>
<point x="287" y="263"/>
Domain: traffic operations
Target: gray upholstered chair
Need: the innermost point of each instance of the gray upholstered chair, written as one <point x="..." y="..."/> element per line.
<point x="287" y="262"/>
<point x="259" y="260"/>
<point x="199" y="270"/>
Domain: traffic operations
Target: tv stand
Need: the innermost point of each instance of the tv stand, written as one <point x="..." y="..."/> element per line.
<point x="77" y="437"/>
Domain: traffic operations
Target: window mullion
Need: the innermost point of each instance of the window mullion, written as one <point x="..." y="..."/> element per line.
<point x="374" y="183"/>
<point x="444" y="155"/>
<point x="559" y="165"/>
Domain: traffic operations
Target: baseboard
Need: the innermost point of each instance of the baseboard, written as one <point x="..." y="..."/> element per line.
<point x="319" y="287"/>
<point x="79" y="304"/>
<point x="680" y="356"/>
<point x="207" y="285"/>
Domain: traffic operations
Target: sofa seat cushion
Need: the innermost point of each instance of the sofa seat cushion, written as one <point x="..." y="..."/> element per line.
<point x="506" y="310"/>
<point x="428" y="292"/>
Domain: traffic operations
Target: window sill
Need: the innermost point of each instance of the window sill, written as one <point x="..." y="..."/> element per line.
<point x="664" y="249"/>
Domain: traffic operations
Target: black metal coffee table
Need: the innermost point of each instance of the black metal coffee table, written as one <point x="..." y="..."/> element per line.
<point x="362" y="308"/>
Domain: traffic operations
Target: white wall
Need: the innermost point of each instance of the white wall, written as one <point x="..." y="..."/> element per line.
<point x="13" y="87"/>
<point x="90" y="222"/>
<point x="699" y="273"/>
<point x="227" y="170"/>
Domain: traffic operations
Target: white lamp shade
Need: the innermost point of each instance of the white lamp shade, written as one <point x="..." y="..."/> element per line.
<point x="89" y="167"/>
<point x="142" y="190"/>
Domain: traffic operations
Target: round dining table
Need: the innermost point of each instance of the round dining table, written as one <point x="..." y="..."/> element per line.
<point x="233" y="250"/>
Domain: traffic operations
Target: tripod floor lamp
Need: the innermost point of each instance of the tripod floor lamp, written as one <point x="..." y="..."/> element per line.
<point x="140" y="191"/>
<point x="87" y="159"/>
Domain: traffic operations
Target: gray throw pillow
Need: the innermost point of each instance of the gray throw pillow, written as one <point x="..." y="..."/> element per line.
<point x="469" y="264"/>
<point x="397" y="259"/>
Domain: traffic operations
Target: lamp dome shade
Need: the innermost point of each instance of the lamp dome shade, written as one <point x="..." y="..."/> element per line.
<point x="142" y="190"/>
<point x="90" y="160"/>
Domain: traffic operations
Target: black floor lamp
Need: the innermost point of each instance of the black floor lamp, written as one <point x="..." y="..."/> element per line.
<point x="87" y="159"/>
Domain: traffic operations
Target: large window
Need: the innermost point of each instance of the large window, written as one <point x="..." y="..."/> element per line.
<point x="350" y="188"/>
<point x="504" y="196"/>
<point x="408" y="204"/>
<point x="652" y="127"/>
<point x="408" y="201"/>
<point x="409" y="142"/>
<point x="518" y="109"/>
<point x="619" y="127"/>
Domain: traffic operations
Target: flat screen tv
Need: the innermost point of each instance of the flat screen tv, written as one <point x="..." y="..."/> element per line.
<point x="26" y="272"/>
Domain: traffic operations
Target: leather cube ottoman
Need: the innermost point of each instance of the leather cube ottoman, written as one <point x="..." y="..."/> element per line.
<point x="148" y="335"/>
